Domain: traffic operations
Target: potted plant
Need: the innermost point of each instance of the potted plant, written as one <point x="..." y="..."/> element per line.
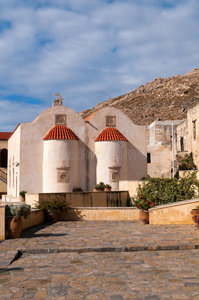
<point x="195" y="213"/>
<point x="96" y="188"/>
<point x="22" y="194"/>
<point x="53" y="206"/>
<point x="99" y="187"/>
<point x="77" y="189"/>
<point x="143" y="204"/>
<point x="14" y="222"/>
<point x="107" y="188"/>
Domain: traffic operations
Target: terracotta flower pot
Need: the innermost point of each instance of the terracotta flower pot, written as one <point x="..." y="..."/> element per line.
<point x="14" y="227"/>
<point x="52" y="216"/>
<point x="144" y="217"/>
<point x="194" y="213"/>
<point x="22" y="199"/>
<point x="107" y="189"/>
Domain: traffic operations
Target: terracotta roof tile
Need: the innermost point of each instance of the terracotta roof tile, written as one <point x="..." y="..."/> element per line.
<point x="89" y="117"/>
<point x="110" y="134"/>
<point x="60" y="133"/>
<point x="5" y="135"/>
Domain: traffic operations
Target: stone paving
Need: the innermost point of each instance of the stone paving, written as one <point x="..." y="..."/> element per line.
<point x="113" y="260"/>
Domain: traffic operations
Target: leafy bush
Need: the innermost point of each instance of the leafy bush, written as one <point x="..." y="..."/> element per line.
<point x="167" y="190"/>
<point x="54" y="203"/>
<point x="17" y="211"/>
<point x="187" y="163"/>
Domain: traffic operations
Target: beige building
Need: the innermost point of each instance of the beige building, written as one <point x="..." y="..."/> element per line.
<point x="59" y="151"/>
<point x="4" y="136"/>
<point x="188" y="135"/>
<point x="161" y="148"/>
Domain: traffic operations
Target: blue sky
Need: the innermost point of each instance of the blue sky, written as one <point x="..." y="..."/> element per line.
<point x="89" y="50"/>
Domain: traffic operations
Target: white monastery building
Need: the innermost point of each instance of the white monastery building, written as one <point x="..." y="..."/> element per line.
<point x="59" y="151"/>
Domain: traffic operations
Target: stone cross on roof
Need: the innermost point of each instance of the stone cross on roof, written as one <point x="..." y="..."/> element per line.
<point x="58" y="101"/>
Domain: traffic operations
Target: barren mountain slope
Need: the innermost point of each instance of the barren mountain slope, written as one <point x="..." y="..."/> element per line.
<point x="164" y="98"/>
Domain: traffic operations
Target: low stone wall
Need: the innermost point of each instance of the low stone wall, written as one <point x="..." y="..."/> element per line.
<point x="36" y="217"/>
<point x="2" y="222"/>
<point x="86" y="199"/>
<point x="174" y="213"/>
<point x="100" y="213"/>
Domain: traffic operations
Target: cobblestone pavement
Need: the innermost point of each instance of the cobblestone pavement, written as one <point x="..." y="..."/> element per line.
<point x="78" y="271"/>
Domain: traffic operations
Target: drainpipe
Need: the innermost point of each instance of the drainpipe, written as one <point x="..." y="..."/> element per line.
<point x="172" y="145"/>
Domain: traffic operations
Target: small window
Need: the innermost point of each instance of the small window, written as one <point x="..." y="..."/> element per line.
<point x="148" y="158"/>
<point x="110" y="121"/>
<point x="60" y="120"/>
<point x="194" y="129"/>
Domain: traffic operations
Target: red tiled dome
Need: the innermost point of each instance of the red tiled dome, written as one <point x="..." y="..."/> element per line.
<point x="110" y="134"/>
<point x="60" y="133"/>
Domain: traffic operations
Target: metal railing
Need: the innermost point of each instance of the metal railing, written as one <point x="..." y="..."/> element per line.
<point x="3" y="176"/>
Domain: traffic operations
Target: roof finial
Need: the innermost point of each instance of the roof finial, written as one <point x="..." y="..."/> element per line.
<point x="58" y="101"/>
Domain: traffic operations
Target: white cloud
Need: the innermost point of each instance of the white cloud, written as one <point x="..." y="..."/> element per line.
<point x="91" y="50"/>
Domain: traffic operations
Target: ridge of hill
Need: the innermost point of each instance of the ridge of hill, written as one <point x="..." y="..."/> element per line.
<point x="163" y="98"/>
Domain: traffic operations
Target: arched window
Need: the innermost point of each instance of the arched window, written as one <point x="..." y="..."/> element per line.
<point x="4" y="158"/>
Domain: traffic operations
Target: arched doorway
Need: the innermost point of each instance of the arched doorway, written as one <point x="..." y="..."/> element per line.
<point x="4" y="158"/>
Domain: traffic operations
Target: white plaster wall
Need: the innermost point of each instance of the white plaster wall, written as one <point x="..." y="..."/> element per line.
<point x="131" y="186"/>
<point x="32" y="135"/>
<point x="106" y="153"/>
<point x="136" y="135"/>
<point x="161" y="160"/>
<point x="55" y="151"/>
<point x="192" y="115"/>
<point x="14" y="183"/>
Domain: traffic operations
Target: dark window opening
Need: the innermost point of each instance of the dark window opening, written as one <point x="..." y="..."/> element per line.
<point x="194" y="129"/>
<point x="4" y="158"/>
<point x="148" y="158"/>
<point x="181" y="144"/>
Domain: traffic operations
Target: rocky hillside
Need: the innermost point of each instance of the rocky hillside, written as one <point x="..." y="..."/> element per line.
<point x="163" y="98"/>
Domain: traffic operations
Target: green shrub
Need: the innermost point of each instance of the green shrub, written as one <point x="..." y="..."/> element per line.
<point x="17" y="211"/>
<point x="167" y="190"/>
<point x="187" y="163"/>
<point x="54" y="203"/>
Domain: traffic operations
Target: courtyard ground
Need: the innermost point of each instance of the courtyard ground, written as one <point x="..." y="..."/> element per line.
<point x="101" y="260"/>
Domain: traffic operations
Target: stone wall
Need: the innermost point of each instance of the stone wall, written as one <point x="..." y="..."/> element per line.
<point x="101" y="213"/>
<point x="174" y="213"/>
<point x="2" y="221"/>
<point x="86" y="199"/>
